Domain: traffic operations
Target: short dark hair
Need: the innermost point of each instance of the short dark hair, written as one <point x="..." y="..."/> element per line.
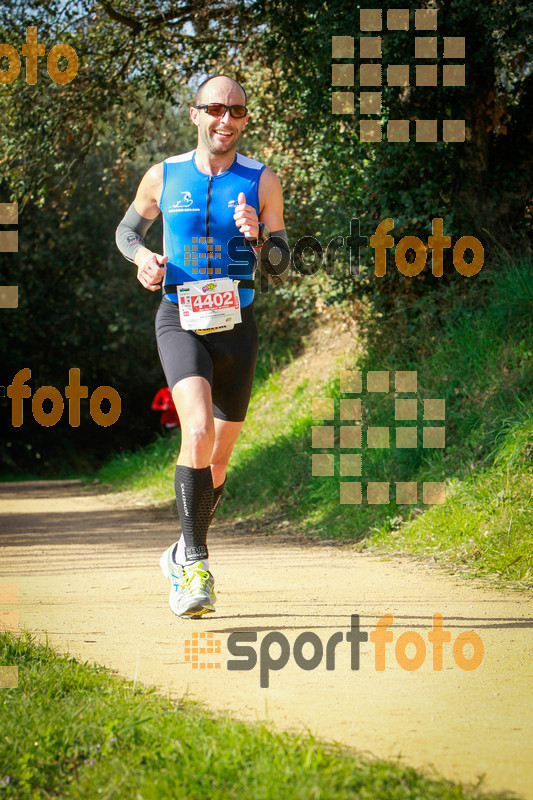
<point x="198" y="95"/>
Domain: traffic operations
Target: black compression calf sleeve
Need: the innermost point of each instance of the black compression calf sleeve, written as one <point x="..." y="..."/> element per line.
<point x="217" y="494"/>
<point x="194" y="497"/>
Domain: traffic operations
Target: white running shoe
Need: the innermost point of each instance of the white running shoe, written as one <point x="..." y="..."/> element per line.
<point x="192" y="587"/>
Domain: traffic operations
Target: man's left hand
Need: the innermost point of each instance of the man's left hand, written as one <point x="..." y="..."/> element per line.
<point x="246" y="218"/>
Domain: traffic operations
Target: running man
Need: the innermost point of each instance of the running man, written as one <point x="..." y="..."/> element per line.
<point x="206" y="333"/>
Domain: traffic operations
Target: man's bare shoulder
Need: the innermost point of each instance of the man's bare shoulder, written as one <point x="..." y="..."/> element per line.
<point x="149" y="192"/>
<point x="154" y="175"/>
<point x="269" y="183"/>
<point x="269" y="177"/>
<point x="271" y="200"/>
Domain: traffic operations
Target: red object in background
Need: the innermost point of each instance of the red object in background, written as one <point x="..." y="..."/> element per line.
<point x="163" y="402"/>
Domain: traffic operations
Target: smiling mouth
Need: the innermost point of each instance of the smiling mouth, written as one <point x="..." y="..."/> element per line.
<point x="225" y="134"/>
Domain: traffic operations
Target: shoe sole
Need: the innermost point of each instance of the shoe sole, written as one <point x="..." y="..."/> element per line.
<point x="191" y="611"/>
<point x="200" y="613"/>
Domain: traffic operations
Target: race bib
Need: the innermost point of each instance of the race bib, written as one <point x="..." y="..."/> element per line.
<point x="211" y="304"/>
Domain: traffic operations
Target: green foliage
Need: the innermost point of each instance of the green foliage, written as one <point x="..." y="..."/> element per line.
<point x="147" y="467"/>
<point x="123" y="53"/>
<point x="481" y="187"/>
<point x="80" y="305"/>
<point x="465" y="350"/>
<point x="72" y="731"/>
<point x="484" y="528"/>
<point x="72" y="156"/>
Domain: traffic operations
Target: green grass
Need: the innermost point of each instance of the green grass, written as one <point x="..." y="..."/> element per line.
<point x="71" y="730"/>
<point x="471" y="346"/>
<point x="483" y="529"/>
<point x="151" y="467"/>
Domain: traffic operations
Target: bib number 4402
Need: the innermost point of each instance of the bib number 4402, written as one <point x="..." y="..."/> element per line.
<point x="215" y="300"/>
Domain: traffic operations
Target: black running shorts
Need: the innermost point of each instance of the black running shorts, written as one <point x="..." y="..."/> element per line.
<point x="226" y="359"/>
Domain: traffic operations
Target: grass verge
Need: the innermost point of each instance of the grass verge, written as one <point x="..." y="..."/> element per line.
<point x="472" y="349"/>
<point x="71" y="730"/>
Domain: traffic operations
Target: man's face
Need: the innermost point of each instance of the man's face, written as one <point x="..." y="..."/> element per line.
<point x="219" y="134"/>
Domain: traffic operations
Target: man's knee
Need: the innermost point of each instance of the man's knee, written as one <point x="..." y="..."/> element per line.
<point x="218" y="462"/>
<point x="199" y="436"/>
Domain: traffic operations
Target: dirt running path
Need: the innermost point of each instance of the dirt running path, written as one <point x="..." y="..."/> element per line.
<point x="88" y="574"/>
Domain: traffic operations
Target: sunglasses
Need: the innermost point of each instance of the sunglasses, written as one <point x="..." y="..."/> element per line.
<point x="219" y="109"/>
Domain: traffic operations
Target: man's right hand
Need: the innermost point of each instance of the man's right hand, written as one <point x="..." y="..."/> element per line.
<point x="150" y="269"/>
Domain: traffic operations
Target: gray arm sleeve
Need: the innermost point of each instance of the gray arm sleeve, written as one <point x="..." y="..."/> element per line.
<point x="274" y="258"/>
<point x="131" y="232"/>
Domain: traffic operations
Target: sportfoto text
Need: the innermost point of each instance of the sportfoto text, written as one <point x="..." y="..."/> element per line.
<point x="247" y="656"/>
<point x="380" y="242"/>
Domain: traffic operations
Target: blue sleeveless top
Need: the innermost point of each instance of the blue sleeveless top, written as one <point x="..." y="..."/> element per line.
<point x="200" y="237"/>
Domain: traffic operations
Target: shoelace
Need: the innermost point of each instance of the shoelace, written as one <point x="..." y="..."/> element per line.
<point x="196" y="580"/>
